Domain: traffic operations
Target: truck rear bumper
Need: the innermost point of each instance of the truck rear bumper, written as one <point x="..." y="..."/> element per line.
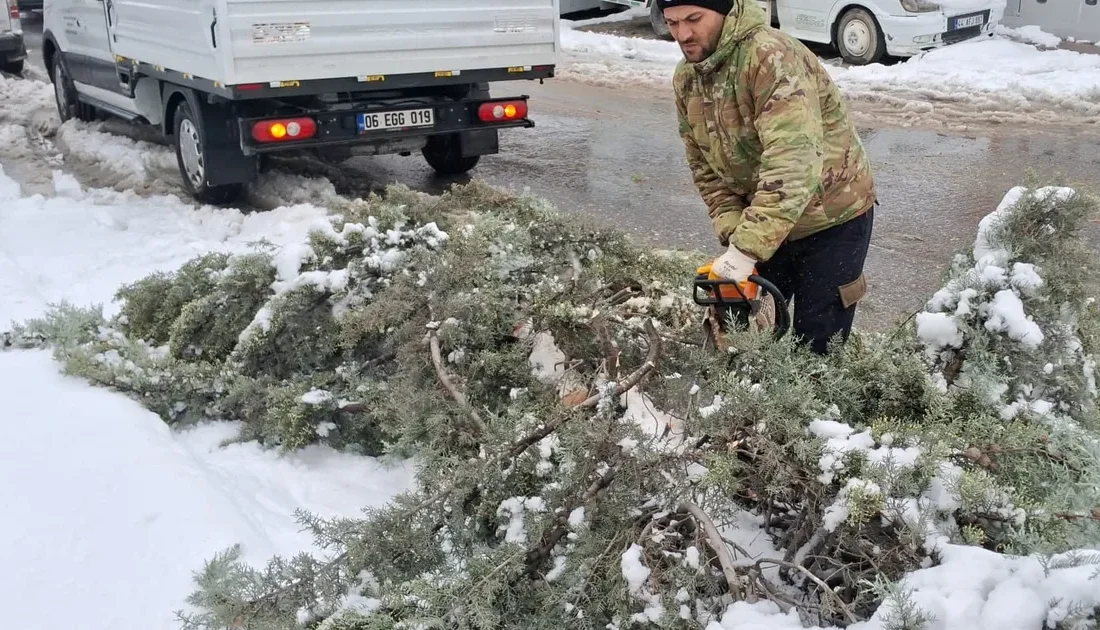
<point x="345" y="128"/>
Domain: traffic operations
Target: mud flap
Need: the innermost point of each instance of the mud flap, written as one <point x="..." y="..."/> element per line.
<point x="478" y="142"/>
<point x="226" y="163"/>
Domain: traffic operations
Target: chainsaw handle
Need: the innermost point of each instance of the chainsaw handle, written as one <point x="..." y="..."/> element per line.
<point x="782" y="315"/>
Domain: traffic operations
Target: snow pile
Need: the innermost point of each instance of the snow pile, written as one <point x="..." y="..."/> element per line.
<point x="612" y="60"/>
<point x="987" y="75"/>
<point x="132" y="162"/>
<point x="100" y="239"/>
<point x="1000" y="78"/>
<point x="23" y="101"/>
<point x="114" y="508"/>
<point x="1029" y="34"/>
<point x="105" y="504"/>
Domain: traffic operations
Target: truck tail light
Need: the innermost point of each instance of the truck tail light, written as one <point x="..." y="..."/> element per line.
<point x="284" y="129"/>
<point x="13" y="10"/>
<point x="502" y="111"/>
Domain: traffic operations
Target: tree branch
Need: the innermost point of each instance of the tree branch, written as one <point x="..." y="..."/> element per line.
<point x="610" y="348"/>
<point x="537" y="556"/>
<point x="652" y="357"/>
<point x="445" y="379"/>
<point x="825" y="587"/>
<point x="718" y="544"/>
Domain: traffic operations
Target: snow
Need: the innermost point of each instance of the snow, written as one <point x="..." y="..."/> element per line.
<point x="100" y="239"/>
<point x="634" y="570"/>
<point x="1006" y="314"/>
<point x="547" y="360"/>
<point x="1029" y="34"/>
<point x="107" y="506"/>
<point x="938" y="330"/>
<point x="576" y="517"/>
<point x="1000" y="76"/>
<point x="316" y="397"/>
<point x="839" y="441"/>
<point x="993" y="73"/>
<point x="1026" y="278"/>
<point x="514" y="509"/>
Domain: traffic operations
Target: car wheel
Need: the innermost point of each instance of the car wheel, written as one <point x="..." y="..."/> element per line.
<point x="444" y="155"/>
<point x="657" y="21"/>
<point x="191" y="158"/>
<point x="12" y="67"/>
<point x="859" y="40"/>
<point x="68" y="106"/>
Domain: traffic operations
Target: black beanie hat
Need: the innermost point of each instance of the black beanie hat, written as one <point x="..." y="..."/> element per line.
<point x="721" y="6"/>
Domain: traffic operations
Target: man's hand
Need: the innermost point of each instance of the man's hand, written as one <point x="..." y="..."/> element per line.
<point x="734" y="265"/>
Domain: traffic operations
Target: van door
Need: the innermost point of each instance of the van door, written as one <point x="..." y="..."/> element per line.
<point x="806" y="19"/>
<point x="100" y="60"/>
<point x="86" y="45"/>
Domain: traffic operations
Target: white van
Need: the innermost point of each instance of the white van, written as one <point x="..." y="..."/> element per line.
<point x="865" y="31"/>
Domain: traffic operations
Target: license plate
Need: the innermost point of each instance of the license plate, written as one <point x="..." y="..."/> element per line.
<point x="966" y="21"/>
<point x="403" y="119"/>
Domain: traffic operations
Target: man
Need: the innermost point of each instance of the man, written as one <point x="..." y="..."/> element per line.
<point x="779" y="165"/>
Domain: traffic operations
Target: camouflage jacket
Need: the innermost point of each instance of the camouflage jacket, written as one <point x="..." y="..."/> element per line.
<point x="768" y="138"/>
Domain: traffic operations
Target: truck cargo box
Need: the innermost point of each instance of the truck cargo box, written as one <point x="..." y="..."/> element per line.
<point x="236" y="42"/>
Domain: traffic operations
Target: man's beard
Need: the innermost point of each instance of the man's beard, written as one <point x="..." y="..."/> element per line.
<point x="699" y="51"/>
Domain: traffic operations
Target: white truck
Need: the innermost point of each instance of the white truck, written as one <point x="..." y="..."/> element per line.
<point x="230" y="80"/>
<point x="865" y="31"/>
<point x="13" y="51"/>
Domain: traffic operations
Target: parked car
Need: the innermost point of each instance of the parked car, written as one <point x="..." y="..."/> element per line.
<point x="229" y="80"/>
<point x="865" y="31"/>
<point x="13" y="52"/>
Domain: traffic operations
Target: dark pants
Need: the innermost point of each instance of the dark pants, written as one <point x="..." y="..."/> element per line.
<point x="823" y="274"/>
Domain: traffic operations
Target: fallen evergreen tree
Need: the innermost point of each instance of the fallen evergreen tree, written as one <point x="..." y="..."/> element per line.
<point x="584" y="462"/>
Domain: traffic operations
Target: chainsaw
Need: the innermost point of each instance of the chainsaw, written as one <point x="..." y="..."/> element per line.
<point x="754" y="303"/>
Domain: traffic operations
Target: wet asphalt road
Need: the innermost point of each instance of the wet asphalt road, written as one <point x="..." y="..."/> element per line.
<point x="614" y="154"/>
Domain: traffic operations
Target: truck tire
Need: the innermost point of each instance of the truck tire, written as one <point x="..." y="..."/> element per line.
<point x="859" y="40"/>
<point x="190" y="142"/>
<point x="657" y="21"/>
<point x="444" y="154"/>
<point x="12" y="67"/>
<point x="64" y="94"/>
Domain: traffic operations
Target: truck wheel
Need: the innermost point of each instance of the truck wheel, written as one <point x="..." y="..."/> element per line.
<point x="64" y="94"/>
<point x="12" y="67"/>
<point x="444" y="154"/>
<point x="657" y="21"/>
<point x="859" y="40"/>
<point x="191" y="156"/>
